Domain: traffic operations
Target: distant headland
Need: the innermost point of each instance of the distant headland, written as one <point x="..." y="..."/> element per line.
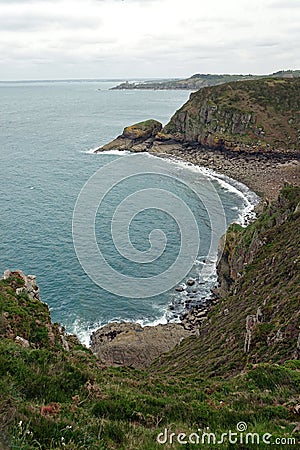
<point x="200" y="80"/>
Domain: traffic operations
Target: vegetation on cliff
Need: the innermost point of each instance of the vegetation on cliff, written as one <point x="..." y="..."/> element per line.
<point x="259" y="276"/>
<point x="256" y="116"/>
<point x="260" y="115"/>
<point x="54" y="394"/>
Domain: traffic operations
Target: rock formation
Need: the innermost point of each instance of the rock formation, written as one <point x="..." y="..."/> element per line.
<point x="259" y="115"/>
<point x="26" y="319"/>
<point x="130" y="344"/>
<point x="250" y="116"/>
<point x="29" y="287"/>
<point x="137" y="137"/>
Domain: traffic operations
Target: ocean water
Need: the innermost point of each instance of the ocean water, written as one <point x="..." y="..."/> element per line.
<point x="47" y="131"/>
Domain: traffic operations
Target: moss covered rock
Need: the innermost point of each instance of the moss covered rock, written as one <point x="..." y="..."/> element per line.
<point x="142" y="130"/>
<point x="137" y="137"/>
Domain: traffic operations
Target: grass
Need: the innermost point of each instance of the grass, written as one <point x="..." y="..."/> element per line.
<point x="124" y="409"/>
<point x="51" y="398"/>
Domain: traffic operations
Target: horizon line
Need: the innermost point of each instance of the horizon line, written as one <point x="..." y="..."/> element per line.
<point x="40" y="80"/>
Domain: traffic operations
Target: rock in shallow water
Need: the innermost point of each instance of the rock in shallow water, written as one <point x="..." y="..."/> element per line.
<point x="138" y="137"/>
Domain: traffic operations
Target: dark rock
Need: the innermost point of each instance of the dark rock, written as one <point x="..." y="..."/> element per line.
<point x="137" y="137"/>
<point x="179" y="288"/>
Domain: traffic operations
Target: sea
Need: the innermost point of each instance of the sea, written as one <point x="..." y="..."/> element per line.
<point x="48" y="131"/>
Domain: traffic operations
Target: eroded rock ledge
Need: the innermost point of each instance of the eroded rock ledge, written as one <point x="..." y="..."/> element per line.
<point x="130" y="344"/>
<point x="138" y="137"/>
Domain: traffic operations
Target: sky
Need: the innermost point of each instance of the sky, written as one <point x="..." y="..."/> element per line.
<point x="61" y="39"/>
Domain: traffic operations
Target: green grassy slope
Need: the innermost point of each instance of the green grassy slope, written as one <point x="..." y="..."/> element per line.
<point x="51" y="398"/>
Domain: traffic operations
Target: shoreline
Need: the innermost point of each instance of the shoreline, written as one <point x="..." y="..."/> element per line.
<point x="264" y="175"/>
<point x="249" y="196"/>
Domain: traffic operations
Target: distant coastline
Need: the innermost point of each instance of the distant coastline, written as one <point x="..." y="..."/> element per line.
<point x="198" y="81"/>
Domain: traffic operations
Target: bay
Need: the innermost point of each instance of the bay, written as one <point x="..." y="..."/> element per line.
<point x="47" y="130"/>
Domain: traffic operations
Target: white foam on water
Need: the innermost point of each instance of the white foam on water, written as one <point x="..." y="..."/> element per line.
<point x="114" y="152"/>
<point x="92" y="151"/>
<point x="250" y="199"/>
<point x="83" y="330"/>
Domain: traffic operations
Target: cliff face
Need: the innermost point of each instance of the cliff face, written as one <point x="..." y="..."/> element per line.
<point x="259" y="115"/>
<point x="243" y="244"/>
<point x="257" y="317"/>
<point x="252" y="116"/>
<point x="24" y="318"/>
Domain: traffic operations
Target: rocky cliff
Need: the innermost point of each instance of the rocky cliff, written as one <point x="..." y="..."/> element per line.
<point x="257" y="317"/>
<point x="242" y="245"/>
<point x="252" y="116"/>
<point x="260" y="115"/>
<point x="24" y="318"/>
<point x="136" y="138"/>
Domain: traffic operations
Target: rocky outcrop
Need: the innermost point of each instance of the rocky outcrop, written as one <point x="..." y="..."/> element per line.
<point x="137" y="137"/>
<point x="258" y="115"/>
<point x="242" y="244"/>
<point x="130" y="344"/>
<point x="25" y="318"/>
<point x="29" y="283"/>
<point x="243" y="116"/>
<point x="251" y="322"/>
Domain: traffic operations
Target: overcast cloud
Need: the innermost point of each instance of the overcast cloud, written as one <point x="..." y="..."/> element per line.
<point x="55" y="39"/>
